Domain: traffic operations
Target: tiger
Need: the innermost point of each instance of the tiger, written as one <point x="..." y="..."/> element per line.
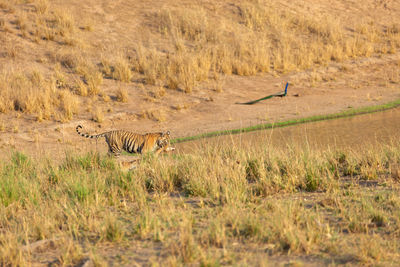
<point x="119" y="140"/>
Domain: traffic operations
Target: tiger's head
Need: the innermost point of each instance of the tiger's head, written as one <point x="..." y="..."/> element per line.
<point x="163" y="142"/>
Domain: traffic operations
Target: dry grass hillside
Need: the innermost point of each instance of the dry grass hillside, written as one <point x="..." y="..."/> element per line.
<point x="176" y="64"/>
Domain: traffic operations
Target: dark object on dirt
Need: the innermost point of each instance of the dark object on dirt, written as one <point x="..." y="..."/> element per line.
<point x="280" y="94"/>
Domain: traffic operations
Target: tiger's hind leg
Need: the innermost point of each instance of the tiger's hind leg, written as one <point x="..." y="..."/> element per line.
<point x="114" y="151"/>
<point x="115" y="154"/>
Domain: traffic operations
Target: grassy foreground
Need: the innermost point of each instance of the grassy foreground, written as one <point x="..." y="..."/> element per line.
<point x="226" y="206"/>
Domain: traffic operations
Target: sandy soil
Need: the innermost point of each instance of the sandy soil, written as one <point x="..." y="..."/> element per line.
<point x="328" y="89"/>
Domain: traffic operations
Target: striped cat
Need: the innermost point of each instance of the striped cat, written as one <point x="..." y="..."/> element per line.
<point x="119" y="140"/>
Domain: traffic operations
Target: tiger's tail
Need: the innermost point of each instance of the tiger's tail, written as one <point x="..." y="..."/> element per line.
<point x="88" y="135"/>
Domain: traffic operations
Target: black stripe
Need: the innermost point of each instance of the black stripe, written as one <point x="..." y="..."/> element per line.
<point x="129" y="142"/>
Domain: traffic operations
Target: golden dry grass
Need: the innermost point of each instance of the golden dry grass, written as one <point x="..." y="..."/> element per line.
<point x="153" y="114"/>
<point x="122" y="95"/>
<point x="222" y="206"/>
<point x="98" y="115"/>
<point x="272" y="40"/>
<point x="33" y="94"/>
<point x="181" y="46"/>
<point x="122" y="70"/>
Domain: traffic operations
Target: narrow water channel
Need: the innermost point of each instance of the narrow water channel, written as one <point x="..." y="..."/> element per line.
<point x="356" y="132"/>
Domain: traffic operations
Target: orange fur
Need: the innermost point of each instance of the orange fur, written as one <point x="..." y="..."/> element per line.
<point x="119" y="140"/>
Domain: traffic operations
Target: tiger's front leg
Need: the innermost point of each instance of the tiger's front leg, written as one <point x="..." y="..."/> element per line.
<point x="166" y="149"/>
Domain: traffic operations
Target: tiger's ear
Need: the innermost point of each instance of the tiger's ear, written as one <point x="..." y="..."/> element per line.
<point x="167" y="133"/>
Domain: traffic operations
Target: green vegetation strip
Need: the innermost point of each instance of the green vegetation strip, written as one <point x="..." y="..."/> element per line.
<point x="343" y="114"/>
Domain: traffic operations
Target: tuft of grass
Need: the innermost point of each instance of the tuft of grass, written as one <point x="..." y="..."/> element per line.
<point x="94" y="80"/>
<point x="21" y="21"/>
<point x="122" y="95"/>
<point x="34" y="94"/>
<point x="185" y="247"/>
<point x="69" y="58"/>
<point x="41" y="7"/>
<point x="153" y="114"/>
<point x="68" y="104"/>
<point x="64" y="22"/>
<point x="113" y="231"/>
<point x="81" y="88"/>
<point x="157" y="93"/>
<point x="98" y="115"/>
<point x="122" y="70"/>
<point x="92" y="77"/>
<point x="12" y="51"/>
<point x="56" y="25"/>
<point x="71" y="254"/>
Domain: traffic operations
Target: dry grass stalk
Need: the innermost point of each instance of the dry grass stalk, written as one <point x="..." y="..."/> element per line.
<point x="153" y="114"/>
<point x="34" y="94"/>
<point x="122" y="95"/>
<point x="41" y="7"/>
<point x="98" y="115"/>
<point x="122" y="70"/>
